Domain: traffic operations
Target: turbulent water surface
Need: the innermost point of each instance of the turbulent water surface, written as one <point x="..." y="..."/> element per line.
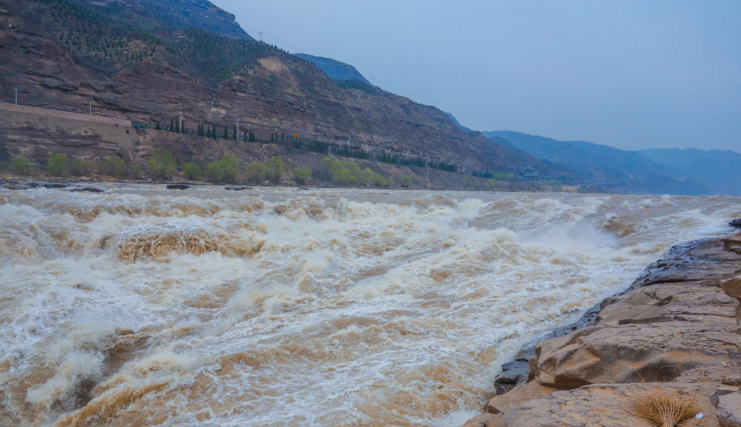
<point x="282" y="307"/>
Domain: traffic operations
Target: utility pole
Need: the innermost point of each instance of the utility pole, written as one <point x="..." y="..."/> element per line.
<point x="90" y="100"/>
<point x="16" y="94"/>
<point x="237" y="135"/>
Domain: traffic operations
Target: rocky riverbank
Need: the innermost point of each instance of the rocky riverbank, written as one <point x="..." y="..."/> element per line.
<point x="673" y="336"/>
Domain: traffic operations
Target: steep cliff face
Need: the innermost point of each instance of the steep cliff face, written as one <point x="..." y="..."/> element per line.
<point x="73" y="55"/>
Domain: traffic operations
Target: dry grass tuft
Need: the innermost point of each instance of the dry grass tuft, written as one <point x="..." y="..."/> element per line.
<point x="664" y="409"/>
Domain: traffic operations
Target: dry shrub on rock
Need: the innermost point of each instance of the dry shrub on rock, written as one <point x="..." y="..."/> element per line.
<point x="664" y="409"/>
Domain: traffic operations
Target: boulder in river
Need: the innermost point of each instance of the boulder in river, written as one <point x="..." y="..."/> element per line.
<point x="54" y="185"/>
<point x="736" y="223"/>
<point x="87" y="189"/>
<point x="237" y="188"/>
<point x="178" y="186"/>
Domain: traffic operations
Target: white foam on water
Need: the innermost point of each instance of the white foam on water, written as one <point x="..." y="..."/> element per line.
<point x="314" y="309"/>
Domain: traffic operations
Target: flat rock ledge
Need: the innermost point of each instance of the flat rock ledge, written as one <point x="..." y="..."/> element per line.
<point x="676" y="331"/>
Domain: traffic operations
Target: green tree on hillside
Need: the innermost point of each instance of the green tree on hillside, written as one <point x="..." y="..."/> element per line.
<point x="114" y="166"/>
<point x="192" y="171"/>
<point x="274" y="169"/>
<point x="80" y="167"/>
<point x="57" y="164"/>
<point x="225" y="170"/>
<point x="255" y="171"/>
<point x="301" y="174"/>
<point x="19" y="164"/>
<point x="366" y="177"/>
<point x="162" y="164"/>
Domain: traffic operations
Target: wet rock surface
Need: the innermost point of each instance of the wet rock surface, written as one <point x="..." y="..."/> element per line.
<point x="178" y="186"/>
<point x="674" y="330"/>
<point x="87" y="189"/>
<point x="237" y="188"/>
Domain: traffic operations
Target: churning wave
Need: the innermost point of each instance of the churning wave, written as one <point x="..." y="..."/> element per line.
<point x="316" y="309"/>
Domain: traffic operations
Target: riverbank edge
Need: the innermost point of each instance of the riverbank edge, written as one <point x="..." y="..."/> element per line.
<point x="541" y="384"/>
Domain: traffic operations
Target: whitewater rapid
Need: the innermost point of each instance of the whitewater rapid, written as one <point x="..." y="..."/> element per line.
<point x="283" y="307"/>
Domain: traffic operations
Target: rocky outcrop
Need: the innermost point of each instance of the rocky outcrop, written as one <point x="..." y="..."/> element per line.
<point x="732" y="288"/>
<point x="674" y="332"/>
<point x="733" y="243"/>
<point x="729" y="410"/>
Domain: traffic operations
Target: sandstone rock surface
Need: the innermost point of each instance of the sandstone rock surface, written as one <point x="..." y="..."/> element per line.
<point x="729" y="410"/>
<point x="673" y="330"/>
<point x="732" y="243"/>
<point x="603" y="405"/>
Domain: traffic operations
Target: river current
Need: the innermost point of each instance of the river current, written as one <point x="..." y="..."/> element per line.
<point x="284" y="307"/>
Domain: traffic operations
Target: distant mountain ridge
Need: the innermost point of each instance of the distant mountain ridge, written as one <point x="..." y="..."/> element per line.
<point x="523" y="159"/>
<point x="336" y="70"/>
<point x="718" y="170"/>
<point x="606" y="166"/>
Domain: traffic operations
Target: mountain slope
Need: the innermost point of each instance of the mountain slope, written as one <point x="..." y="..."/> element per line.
<point x="62" y="53"/>
<point x="457" y="123"/>
<point x="603" y="165"/>
<point x="716" y="169"/>
<point x="336" y="70"/>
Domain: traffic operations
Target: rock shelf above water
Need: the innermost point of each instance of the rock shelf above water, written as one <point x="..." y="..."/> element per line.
<point x="676" y="331"/>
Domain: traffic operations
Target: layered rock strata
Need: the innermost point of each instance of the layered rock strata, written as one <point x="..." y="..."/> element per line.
<point x="674" y="332"/>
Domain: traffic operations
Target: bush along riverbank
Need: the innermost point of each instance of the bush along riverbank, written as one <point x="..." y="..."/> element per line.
<point x="664" y="353"/>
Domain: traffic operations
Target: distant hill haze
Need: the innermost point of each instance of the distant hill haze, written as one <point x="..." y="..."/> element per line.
<point x="631" y="171"/>
<point x="720" y="171"/>
<point x="545" y="169"/>
<point x="336" y="70"/>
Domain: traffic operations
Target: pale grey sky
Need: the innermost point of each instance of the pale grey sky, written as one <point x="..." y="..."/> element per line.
<point x="629" y="73"/>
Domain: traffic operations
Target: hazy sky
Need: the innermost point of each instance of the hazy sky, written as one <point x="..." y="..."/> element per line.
<point x="628" y="73"/>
